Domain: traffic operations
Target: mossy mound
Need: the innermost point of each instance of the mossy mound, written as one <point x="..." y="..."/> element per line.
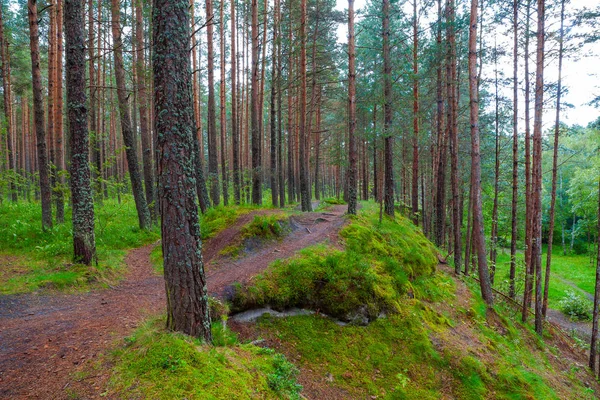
<point x="156" y="364"/>
<point x="358" y="284"/>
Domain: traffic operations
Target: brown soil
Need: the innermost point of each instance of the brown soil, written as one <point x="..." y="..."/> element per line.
<point x="45" y="340"/>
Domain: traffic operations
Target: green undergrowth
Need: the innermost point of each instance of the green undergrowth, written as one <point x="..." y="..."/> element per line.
<point x="571" y="274"/>
<point x="371" y="276"/>
<point x="215" y="220"/>
<point x="43" y="260"/>
<point x="263" y="228"/>
<point x="218" y="218"/>
<point x="156" y="364"/>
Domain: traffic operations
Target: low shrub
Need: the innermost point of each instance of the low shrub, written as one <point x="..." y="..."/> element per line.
<point x="576" y="306"/>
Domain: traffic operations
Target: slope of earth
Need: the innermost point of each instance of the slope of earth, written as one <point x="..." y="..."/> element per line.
<point x="415" y="333"/>
<point x="47" y="340"/>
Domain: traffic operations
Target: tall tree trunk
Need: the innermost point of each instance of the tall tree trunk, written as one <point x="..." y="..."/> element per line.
<point x="126" y="129"/>
<point x="594" y="340"/>
<point x="255" y="110"/>
<point x="527" y="295"/>
<point x="7" y="107"/>
<point x="273" y="127"/>
<point x="351" y="112"/>
<point x="515" y="160"/>
<point x="38" y="113"/>
<point x="376" y="187"/>
<point x="387" y="115"/>
<point x="536" y="248"/>
<point x="494" y="233"/>
<point x="82" y="200"/>
<point x="303" y="153"/>
<point x="213" y="164"/>
<point x="50" y="114"/>
<point x="235" y="138"/>
<point x="143" y="110"/>
<point x="415" y="168"/>
<point x="440" y="194"/>
<point x="95" y="101"/>
<point x="281" y="176"/>
<point x="224" y="159"/>
<point x="291" y="149"/>
<point x="197" y="142"/>
<point x="478" y="232"/>
<point x="451" y="77"/>
<point x="187" y="299"/>
<point x="59" y="161"/>
<point x="554" y="162"/>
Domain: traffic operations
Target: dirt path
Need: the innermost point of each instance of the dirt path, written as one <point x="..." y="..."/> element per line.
<point x="44" y="339"/>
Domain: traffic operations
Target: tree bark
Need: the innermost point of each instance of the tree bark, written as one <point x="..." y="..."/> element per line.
<point x="594" y="340"/>
<point x="126" y="129"/>
<point x="453" y="134"/>
<point x="415" y="161"/>
<point x="279" y="109"/>
<point x="38" y="113"/>
<point x="254" y="111"/>
<point x="387" y="115"/>
<point x="224" y="159"/>
<point x="59" y="156"/>
<point x="187" y="299"/>
<point x="351" y="112"/>
<point x="554" y="162"/>
<point x="273" y="127"/>
<point x="515" y="149"/>
<point x="478" y="232"/>
<point x="440" y="194"/>
<point x="6" y="86"/>
<point x="82" y="200"/>
<point x="536" y="248"/>
<point x="143" y="110"/>
<point x="303" y="153"/>
<point x="235" y="135"/>
<point x="528" y="206"/>
<point x="211" y="117"/>
<point x="494" y="230"/>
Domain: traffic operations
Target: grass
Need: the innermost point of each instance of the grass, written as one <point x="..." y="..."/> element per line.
<point x="41" y="259"/>
<point x="569" y="273"/>
<point x="157" y="364"/>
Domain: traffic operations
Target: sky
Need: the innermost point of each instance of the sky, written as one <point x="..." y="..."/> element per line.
<point x="580" y="77"/>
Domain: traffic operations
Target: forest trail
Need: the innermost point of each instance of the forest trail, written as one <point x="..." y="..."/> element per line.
<point x="47" y="340"/>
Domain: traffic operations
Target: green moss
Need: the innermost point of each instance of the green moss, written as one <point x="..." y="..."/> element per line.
<point x="370" y="277"/>
<point x="261" y="229"/>
<point x="218" y="218"/>
<point x="157" y="364"/>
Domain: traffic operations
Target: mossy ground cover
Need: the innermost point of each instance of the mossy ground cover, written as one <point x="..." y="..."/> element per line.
<point x="436" y="339"/>
<point x="429" y="336"/>
<point x="212" y="222"/>
<point x="41" y="259"/>
<point x="156" y="364"/>
<point x="435" y="347"/>
<point x="369" y="277"/>
<point x="262" y="229"/>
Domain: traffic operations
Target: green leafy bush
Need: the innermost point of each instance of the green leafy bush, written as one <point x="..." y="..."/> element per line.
<point x="283" y="379"/>
<point x="576" y="306"/>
